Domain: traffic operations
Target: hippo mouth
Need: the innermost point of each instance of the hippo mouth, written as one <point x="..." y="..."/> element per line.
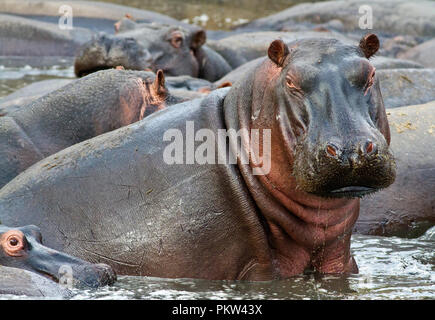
<point x="350" y="192"/>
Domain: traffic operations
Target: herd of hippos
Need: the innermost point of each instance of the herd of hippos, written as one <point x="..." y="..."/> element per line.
<point x="351" y="114"/>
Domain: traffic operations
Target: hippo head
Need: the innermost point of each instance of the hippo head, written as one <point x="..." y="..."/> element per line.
<point x="143" y="46"/>
<point x="326" y="104"/>
<point x="22" y="248"/>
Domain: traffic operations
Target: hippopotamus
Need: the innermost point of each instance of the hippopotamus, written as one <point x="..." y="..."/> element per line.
<point x="30" y="93"/>
<point x="174" y="209"/>
<point x="390" y="17"/>
<point x="173" y="49"/>
<point x="92" y="15"/>
<point x="80" y="110"/>
<point x="422" y="53"/>
<point x="403" y="87"/>
<point x="406" y="209"/>
<point x="26" y="37"/>
<point x="22" y="248"/>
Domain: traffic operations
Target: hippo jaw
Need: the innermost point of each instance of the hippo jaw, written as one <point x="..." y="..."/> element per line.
<point x="22" y="248"/>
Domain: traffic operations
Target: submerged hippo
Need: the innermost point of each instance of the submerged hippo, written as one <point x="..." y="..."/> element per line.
<point x="22" y="248"/>
<point x="78" y="111"/>
<point x="173" y="49"/>
<point x="148" y="207"/>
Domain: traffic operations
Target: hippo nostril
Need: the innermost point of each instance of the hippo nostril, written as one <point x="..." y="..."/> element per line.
<point x="369" y="148"/>
<point x="331" y="150"/>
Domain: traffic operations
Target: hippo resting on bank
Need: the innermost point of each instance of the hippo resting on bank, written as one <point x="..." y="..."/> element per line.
<point x="27" y="37"/>
<point x="93" y="15"/>
<point x="22" y="248"/>
<point x="83" y="109"/>
<point x="390" y="17"/>
<point x="173" y="49"/>
<point x="151" y="208"/>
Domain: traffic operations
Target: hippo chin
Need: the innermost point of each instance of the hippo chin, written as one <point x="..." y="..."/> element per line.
<point x="22" y="248"/>
<point x="122" y="198"/>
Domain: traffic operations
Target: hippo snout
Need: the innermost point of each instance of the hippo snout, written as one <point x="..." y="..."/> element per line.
<point x="22" y="248"/>
<point x="335" y="169"/>
<point x="94" y="275"/>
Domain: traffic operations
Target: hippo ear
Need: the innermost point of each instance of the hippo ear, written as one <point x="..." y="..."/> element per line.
<point x="277" y="52"/>
<point x="369" y="45"/>
<point x="158" y="86"/>
<point x="198" y="39"/>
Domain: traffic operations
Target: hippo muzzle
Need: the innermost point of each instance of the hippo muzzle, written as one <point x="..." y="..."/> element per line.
<point x="22" y="248"/>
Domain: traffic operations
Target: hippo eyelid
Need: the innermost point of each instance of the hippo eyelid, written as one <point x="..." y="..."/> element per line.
<point x="291" y="83"/>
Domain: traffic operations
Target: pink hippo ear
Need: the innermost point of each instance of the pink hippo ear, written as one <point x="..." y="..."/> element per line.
<point x="369" y="45"/>
<point x="277" y="52"/>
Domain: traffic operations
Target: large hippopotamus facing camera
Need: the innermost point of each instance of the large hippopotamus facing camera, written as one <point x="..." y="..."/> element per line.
<point x="180" y="209"/>
<point x="173" y="49"/>
<point x="78" y="111"/>
<point x="22" y="248"/>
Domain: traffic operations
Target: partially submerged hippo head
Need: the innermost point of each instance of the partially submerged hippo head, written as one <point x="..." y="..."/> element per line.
<point x="143" y="46"/>
<point x="22" y="248"/>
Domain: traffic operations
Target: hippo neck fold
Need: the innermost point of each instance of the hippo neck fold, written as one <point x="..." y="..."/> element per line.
<point x="305" y="231"/>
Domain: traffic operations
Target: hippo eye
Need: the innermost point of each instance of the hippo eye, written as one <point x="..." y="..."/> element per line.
<point x="13" y="243"/>
<point x="176" y="39"/>
<point x="291" y="84"/>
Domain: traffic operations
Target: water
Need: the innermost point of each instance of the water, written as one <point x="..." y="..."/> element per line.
<point x="390" y="268"/>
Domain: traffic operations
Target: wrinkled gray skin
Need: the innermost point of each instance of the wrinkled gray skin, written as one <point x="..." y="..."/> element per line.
<point x="26" y="37"/>
<point x="113" y="199"/>
<point x="83" y="109"/>
<point x="423" y="53"/>
<point x="14" y="281"/>
<point x="29" y="93"/>
<point x="32" y="255"/>
<point x="390" y="17"/>
<point x="175" y="50"/>
<point x="407" y="207"/>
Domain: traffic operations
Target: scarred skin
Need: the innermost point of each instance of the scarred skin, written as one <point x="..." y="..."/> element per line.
<point x="22" y="248"/>
<point x="76" y="112"/>
<point x="220" y="221"/>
